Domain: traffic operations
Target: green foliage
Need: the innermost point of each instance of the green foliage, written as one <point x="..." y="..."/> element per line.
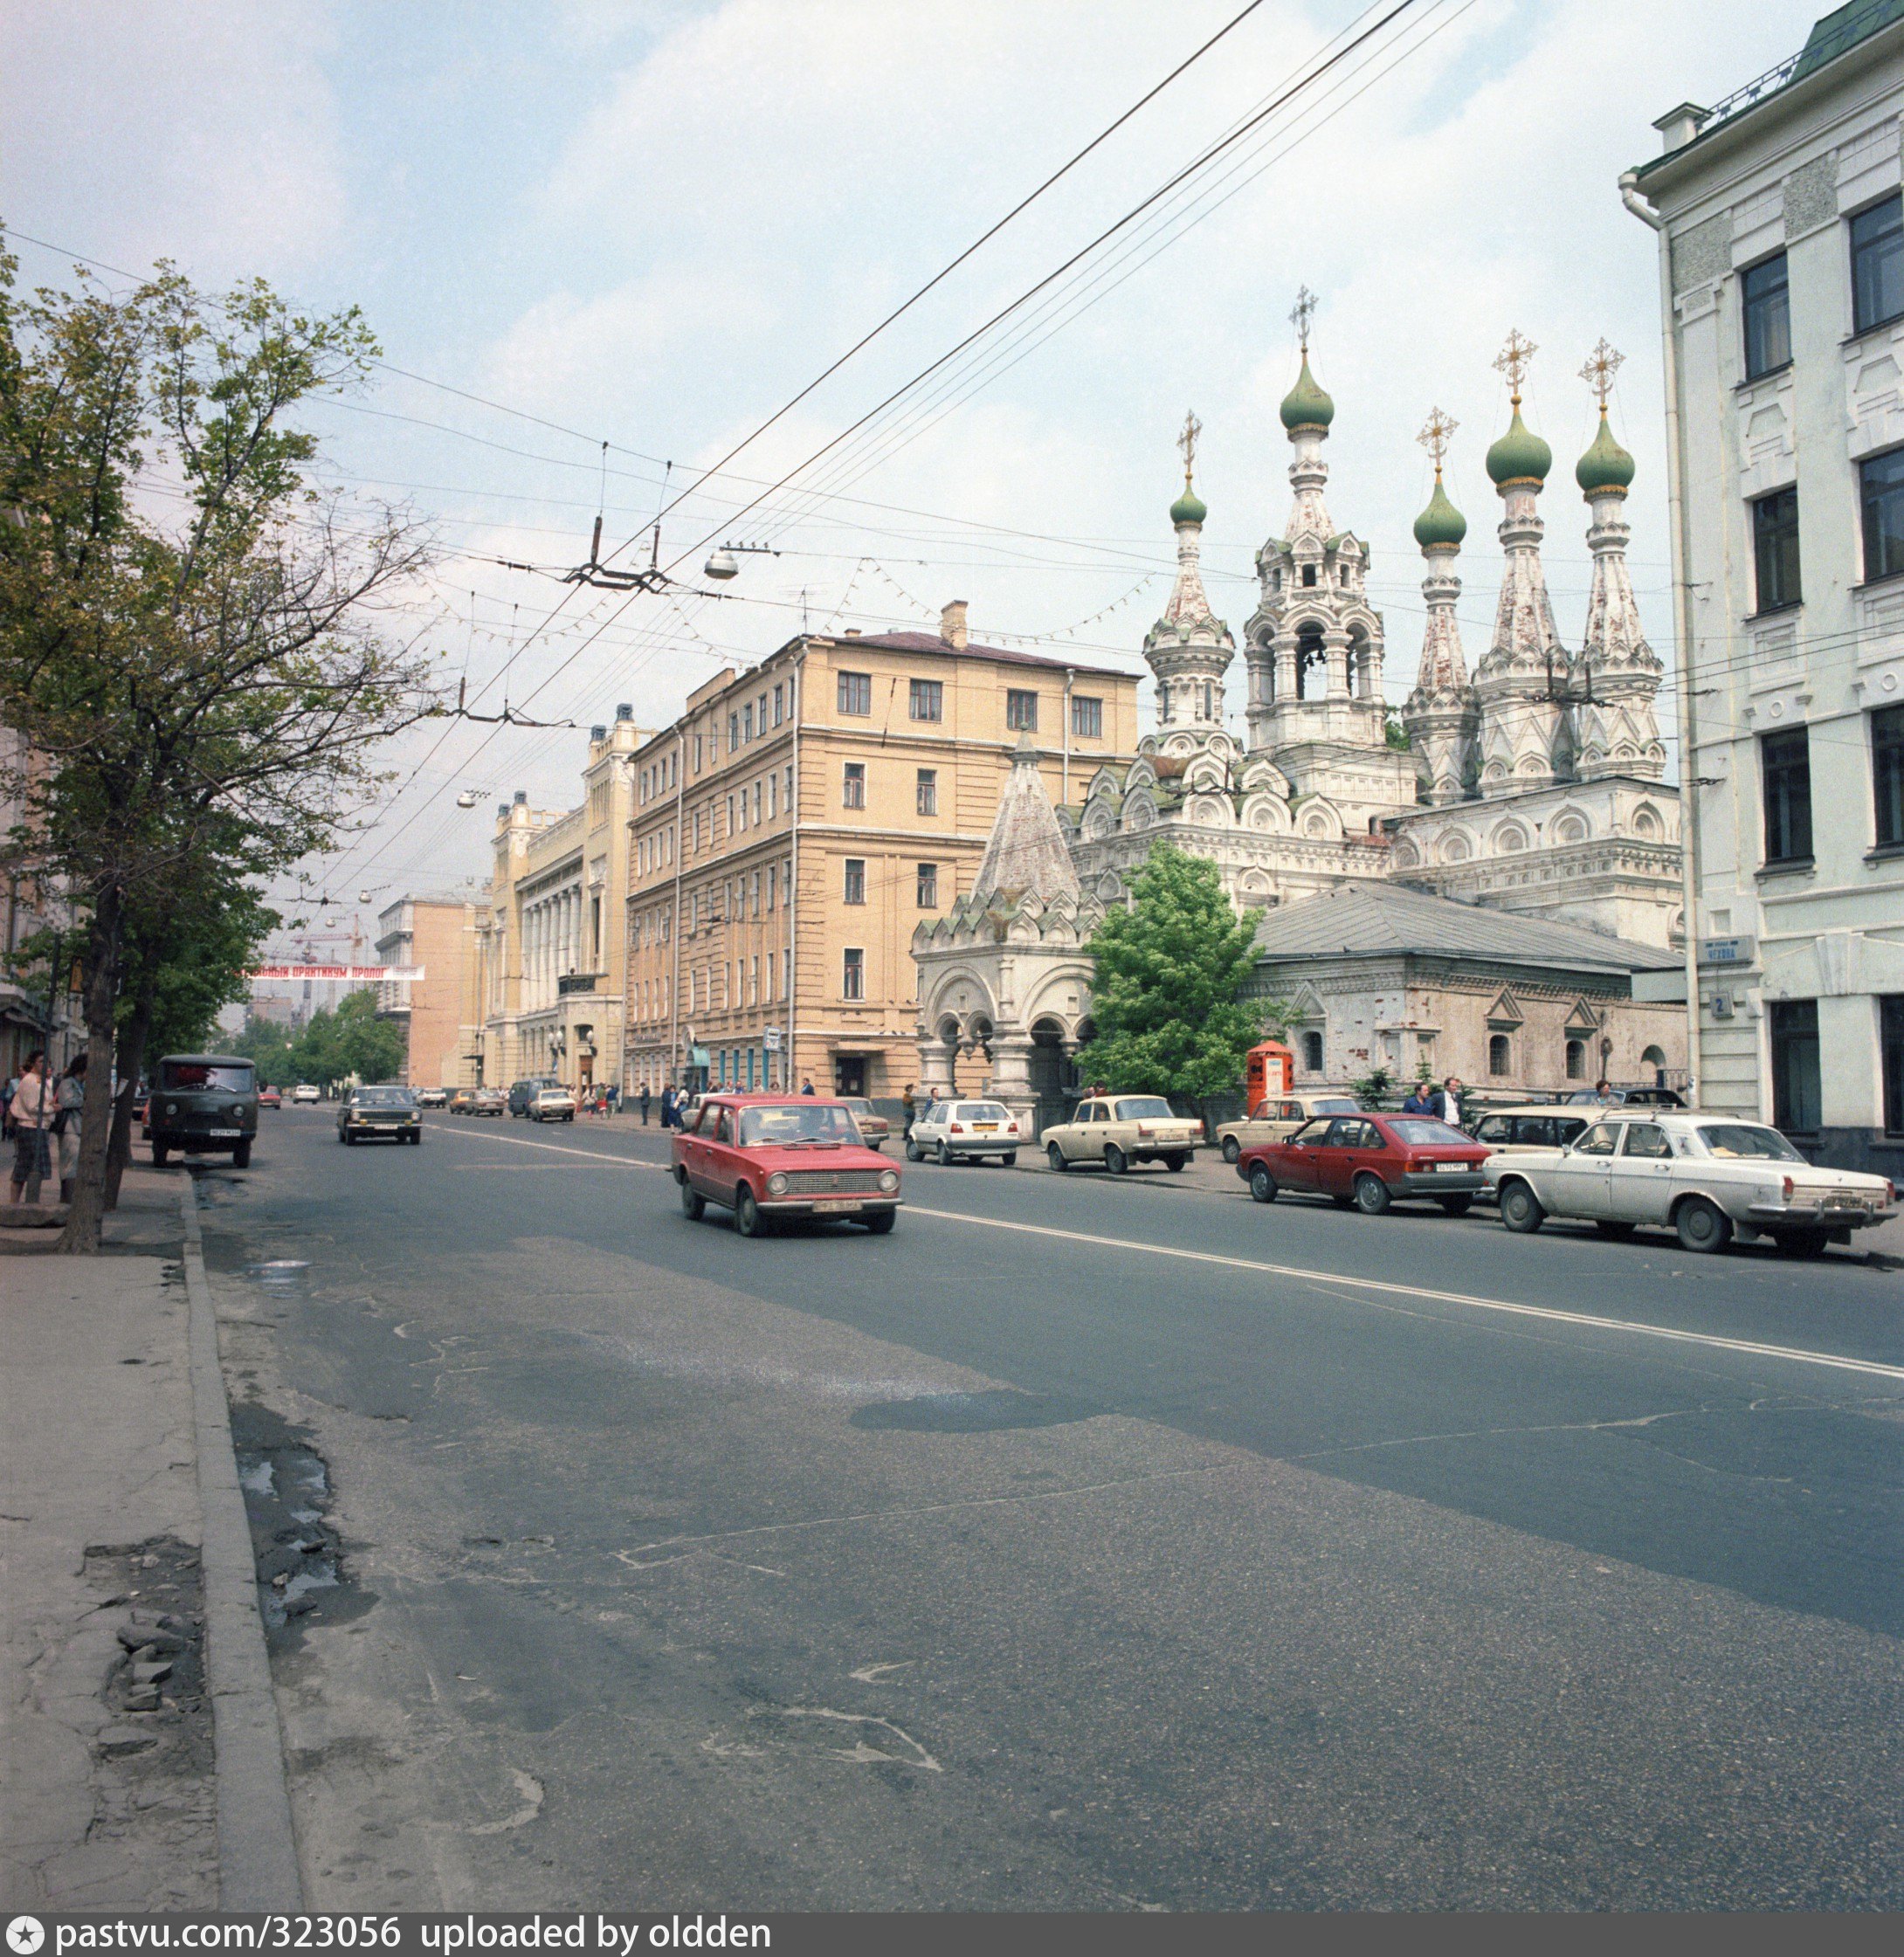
<point x="1398" y="734"/>
<point x="1373" y="1085"/>
<point x="1168" y="995"/>
<point x="200" y="962"/>
<point x="350" y="1043"/>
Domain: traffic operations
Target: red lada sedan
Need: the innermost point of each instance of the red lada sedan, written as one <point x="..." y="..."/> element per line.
<point x="1369" y="1161"/>
<point x="766" y="1156"/>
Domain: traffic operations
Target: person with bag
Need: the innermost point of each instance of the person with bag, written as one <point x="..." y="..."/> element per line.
<point x="69" y="1101"/>
<point x="33" y="1106"/>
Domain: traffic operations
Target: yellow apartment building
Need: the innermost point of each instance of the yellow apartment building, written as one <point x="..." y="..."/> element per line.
<point x="437" y="934"/>
<point x="800" y="819"/>
<point x="551" y="958"/>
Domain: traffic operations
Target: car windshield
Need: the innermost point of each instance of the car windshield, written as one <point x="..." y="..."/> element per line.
<point x="1734" y="1140"/>
<point x="176" y="1074"/>
<point x="981" y="1111"/>
<point x="383" y="1097"/>
<point x="1418" y="1132"/>
<point x="797" y="1122"/>
<point x="1144" y="1107"/>
<point x="1342" y="1105"/>
<point x="858" y="1106"/>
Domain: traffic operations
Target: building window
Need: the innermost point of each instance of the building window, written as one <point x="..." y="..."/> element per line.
<point x="1891" y="1043"/>
<point x="1021" y="710"/>
<point x="1308" y="574"/>
<point x="1576" y="1059"/>
<point x="747" y="723"/>
<point x="1787" y="763"/>
<point x="1312" y="1053"/>
<point x="1877" y="264"/>
<point x="773" y="884"/>
<point x="856" y="693"/>
<point x="926" y="795"/>
<point x="852" y="787"/>
<point x="734" y="732"/>
<point x="856" y="880"/>
<point x="852" y="977"/>
<point x="1881" y="490"/>
<point x="1765" y="306"/>
<point x="1795" y="1066"/>
<point x="1887" y="773"/>
<point x="697" y="754"/>
<point x="1775" y="549"/>
<point x="928" y="886"/>
<point x="780" y="705"/>
<point x="1086" y="717"/>
<point x="790" y="787"/>
<point x="928" y="699"/>
<point x="1499" y="1055"/>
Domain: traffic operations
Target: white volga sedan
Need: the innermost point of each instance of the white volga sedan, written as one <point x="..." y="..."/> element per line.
<point x="1709" y="1177"/>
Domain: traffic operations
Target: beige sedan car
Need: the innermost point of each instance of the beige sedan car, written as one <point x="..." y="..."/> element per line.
<point x="1708" y="1177"/>
<point x="1119" y="1129"/>
<point x="1276" y="1120"/>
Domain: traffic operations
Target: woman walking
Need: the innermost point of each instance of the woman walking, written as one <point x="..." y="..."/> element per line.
<point x="33" y="1103"/>
<point x="69" y="1102"/>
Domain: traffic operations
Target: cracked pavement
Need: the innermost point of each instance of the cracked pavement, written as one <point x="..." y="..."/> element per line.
<point x="989" y="1569"/>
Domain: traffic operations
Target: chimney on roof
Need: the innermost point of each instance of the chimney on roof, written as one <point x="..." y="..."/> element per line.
<point x="1679" y="126"/>
<point x="598" y="734"/>
<point x="851" y="631"/>
<point x="521" y="797"/>
<point x="952" y="626"/>
<point x="624" y="712"/>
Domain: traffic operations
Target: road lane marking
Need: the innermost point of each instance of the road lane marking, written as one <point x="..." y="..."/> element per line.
<point x="1710" y="1342"/>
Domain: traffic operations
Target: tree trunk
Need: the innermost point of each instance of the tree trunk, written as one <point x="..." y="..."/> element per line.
<point x="129" y="1058"/>
<point x="81" y="1235"/>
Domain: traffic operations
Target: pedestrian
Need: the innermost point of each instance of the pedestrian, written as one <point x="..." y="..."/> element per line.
<point x="644" y="1107"/>
<point x="1419" y="1101"/>
<point x="667" y="1103"/>
<point x="806" y="1087"/>
<point x="906" y="1106"/>
<point x="32" y="1110"/>
<point x="1604" y="1095"/>
<point x="70" y="1100"/>
<point x="9" y="1087"/>
<point x="1451" y="1101"/>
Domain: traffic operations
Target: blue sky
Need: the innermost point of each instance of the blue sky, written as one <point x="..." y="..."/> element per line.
<point x="650" y="223"/>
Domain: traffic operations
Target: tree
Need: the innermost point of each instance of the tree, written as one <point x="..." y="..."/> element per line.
<point x="187" y="638"/>
<point x="1168" y="996"/>
<point x="352" y="1042"/>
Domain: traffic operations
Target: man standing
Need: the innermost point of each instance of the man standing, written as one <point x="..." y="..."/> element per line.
<point x="645" y="1106"/>
<point x="32" y="1109"/>
<point x="1419" y="1101"/>
<point x="806" y="1087"/>
<point x="906" y="1106"/>
<point x="1451" y="1101"/>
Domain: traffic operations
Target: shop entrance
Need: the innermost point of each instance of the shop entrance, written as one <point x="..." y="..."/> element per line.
<point x="850" y="1075"/>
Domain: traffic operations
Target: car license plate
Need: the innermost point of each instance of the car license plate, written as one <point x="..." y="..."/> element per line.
<point x="834" y="1206"/>
<point x="224" y="1134"/>
<point x="1452" y="1168"/>
<point x="986" y="1127"/>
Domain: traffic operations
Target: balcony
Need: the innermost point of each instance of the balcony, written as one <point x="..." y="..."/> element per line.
<point x="577" y="982"/>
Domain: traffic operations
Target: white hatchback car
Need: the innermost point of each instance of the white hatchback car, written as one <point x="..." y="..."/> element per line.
<point x="964" y="1131"/>
<point x="1709" y="1177"/>
<point x="304" y="1094"/>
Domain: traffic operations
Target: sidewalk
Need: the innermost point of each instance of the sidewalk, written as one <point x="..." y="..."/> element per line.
<point x="107" y="1785"/>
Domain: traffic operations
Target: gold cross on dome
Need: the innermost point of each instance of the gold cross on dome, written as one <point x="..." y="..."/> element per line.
<point x="1603" y="363"/>
<point x="1513" y="360"/>
<point x="1187" y="442"/>
<point x="1434" y="435"/>
<point x="1305" y="311"/>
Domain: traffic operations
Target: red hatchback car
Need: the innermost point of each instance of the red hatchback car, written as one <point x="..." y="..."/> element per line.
<point x="1371" y="1161"/>
<point x="766" y="1156"/>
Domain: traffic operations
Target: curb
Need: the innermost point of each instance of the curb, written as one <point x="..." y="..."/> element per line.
<point x="257" y="1855"/>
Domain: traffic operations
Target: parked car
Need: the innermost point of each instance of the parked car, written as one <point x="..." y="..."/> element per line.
<point x="462" y="1099"/>
<point x="200" y="1103"/>
<point x="1709" y="1177"/>
<point x="1625" y="1096"/>
<point x="1280" y="1117"/>
<point x="305" y="1095"/>
<point x="1520" y="1126"/>
<point x="433" y="1097"/>
<point x="767" y="1157"/>
<point x="521" y="1092"/>
<point x="1119" y="1129"/>
<point x="367" y="1112"/>
<point x="490" y="1100"/>
<point x="269" y="1097"/>
<point x="874" y="1129"/>
<point x="551" y="1104"/>
<point x="964" y="1132"/>
<point x="1371" y="1161"/>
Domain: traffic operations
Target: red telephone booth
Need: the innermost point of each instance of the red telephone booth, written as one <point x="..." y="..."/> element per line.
<point x="1269" y="1072"/>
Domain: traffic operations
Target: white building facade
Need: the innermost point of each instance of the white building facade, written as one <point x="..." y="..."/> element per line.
<point x="1781" y="265"/>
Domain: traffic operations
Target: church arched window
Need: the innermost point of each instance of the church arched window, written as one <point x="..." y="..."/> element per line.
<point x="1312" y="661"/>
<point x="1308" y="574"/>
<point x="1312" y="1053"/>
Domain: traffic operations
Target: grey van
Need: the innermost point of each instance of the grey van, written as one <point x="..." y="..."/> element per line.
<point x="523" y="1092"/>
<point x="202" y="1104"/>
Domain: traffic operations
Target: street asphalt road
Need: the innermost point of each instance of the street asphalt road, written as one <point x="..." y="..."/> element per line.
<point x="1082" y="1544"/>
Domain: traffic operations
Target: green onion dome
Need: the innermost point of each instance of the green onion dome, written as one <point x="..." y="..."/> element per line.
<point x="1519" y="455"/>
<point x="1440" y="526"/>
<point x="1606" y="466"/>
<point x="1188" y="507"/>
<point x="1305" y="405"/>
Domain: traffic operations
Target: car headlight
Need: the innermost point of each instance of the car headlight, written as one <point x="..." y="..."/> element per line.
<point x="777" y="1185"/>
<point x="889" y="1180"/>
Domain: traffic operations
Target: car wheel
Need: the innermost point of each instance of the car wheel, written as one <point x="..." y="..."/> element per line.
<point x="241" y="1155"/>
<point x="1009" y="1160"/>
<point x="1702" y="1225"/>
<point x="748" y="1219"/>
<point x="159" y="1153"/>
<point x="881" y="1225"/>
<point x="1113" y="1159"/>
<point x="1262" y="1183"/>
<point x="415" y="1140"/>
<point x="1520" y="1209"/>
<point x="1608" y="1227"/>
<point x="1801" y="1243"/>
<point x="912" y="1151"/>
<point x="1371" y="1193"/>
<point x="694" y="1204"/>
<point x="1055" y="1156"/>
<point x="1456" y="1206"/>
<point x="1177" y="1163"/>
<point x="1232" y="1149"/>
<point x="945" y="1156"/>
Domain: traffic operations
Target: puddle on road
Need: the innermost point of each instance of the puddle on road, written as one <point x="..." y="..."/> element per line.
<point x="997" y="1410"/>
<point x="302" y="1573"/>
<point x="282" y="1277"/>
